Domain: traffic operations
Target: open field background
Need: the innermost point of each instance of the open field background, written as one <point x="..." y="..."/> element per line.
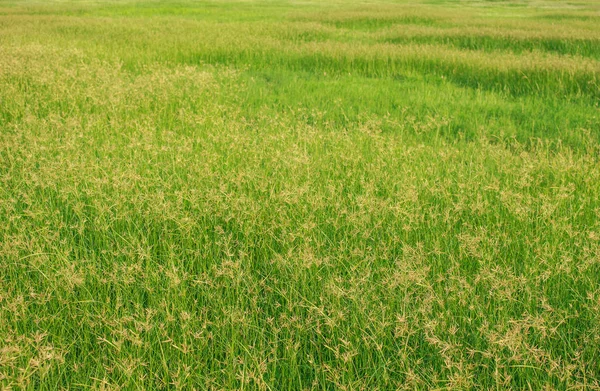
<point x="290" y="195"/>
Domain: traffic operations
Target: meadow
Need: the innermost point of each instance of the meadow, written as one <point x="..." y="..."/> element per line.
<point x="300" y="195"/>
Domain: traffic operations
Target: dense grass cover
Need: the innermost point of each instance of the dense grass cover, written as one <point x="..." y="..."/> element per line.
<point x="300" y="195"/>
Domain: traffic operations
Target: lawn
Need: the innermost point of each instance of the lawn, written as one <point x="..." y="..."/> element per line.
<point x="300" y="195"/>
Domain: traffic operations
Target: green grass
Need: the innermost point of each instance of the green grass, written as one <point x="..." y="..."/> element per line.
<point x="282" y="195"/>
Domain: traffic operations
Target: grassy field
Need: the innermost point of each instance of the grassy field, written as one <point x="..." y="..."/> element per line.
<point x="300" y="195"/>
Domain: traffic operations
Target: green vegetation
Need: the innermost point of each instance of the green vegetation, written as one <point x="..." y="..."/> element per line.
<point x="300" y="195"/>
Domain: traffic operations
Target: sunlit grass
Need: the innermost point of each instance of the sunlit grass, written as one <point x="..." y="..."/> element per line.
<point x="273" y="195"/>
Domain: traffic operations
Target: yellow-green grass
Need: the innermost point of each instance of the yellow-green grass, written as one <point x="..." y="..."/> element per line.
<point x="286" y="195"/>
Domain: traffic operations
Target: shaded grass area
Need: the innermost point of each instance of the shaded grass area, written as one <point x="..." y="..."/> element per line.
<point x="575" y="47"/>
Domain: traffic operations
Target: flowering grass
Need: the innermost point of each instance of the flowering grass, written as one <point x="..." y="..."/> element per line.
<point x="279" y="195"/>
